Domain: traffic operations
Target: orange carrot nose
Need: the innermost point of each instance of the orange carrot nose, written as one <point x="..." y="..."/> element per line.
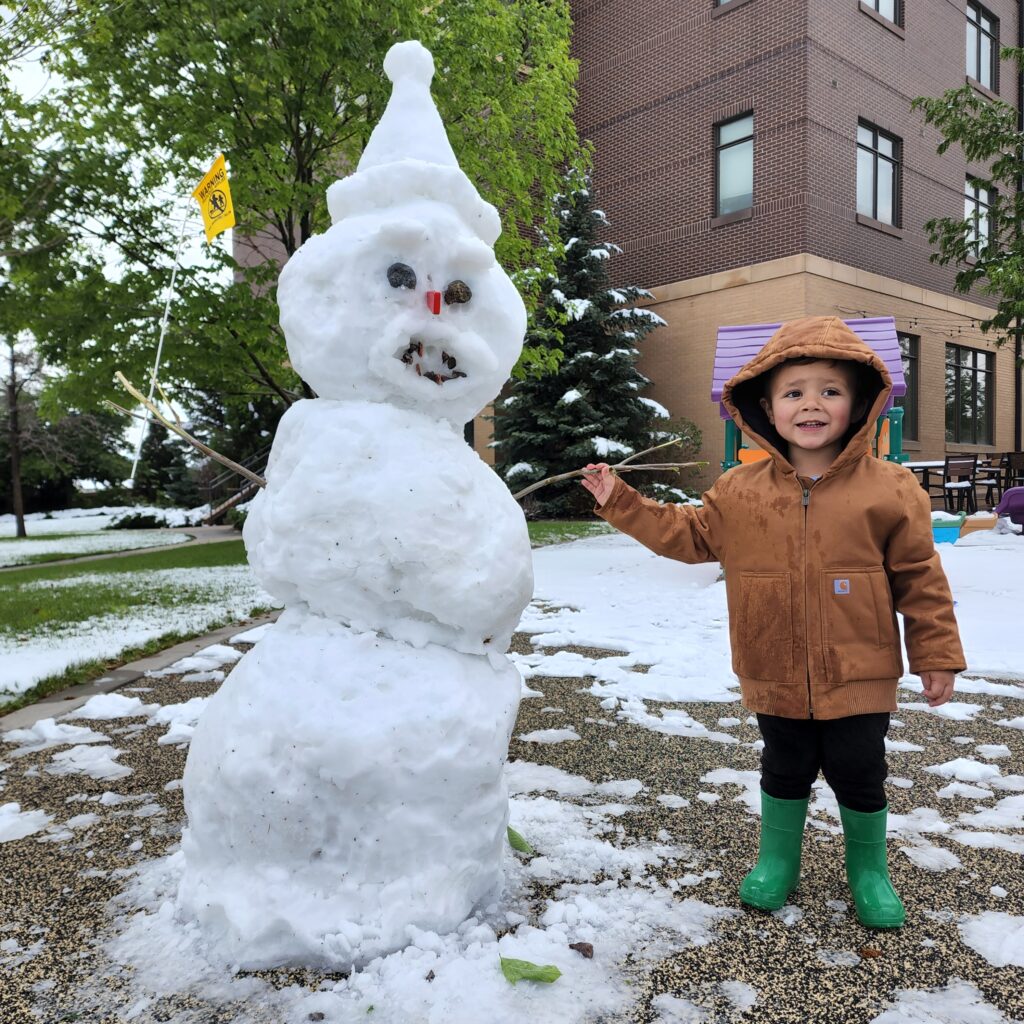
<point x="434" y="302"/>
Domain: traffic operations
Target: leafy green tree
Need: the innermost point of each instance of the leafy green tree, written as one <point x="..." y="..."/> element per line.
<point x="591" y="409"/>
<point x="988" y="257"/>
<point x="152" y="90"/>
<point x="164" y="475"/>
<point x="48" y="456"/>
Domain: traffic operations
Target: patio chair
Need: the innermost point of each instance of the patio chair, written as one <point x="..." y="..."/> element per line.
<point x="958" y="482"/>
<point x="990" y="476"/>
<point x="1014" y="473"/>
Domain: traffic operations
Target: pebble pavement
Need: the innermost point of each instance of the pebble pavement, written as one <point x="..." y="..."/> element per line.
<point x="811" y="963"/>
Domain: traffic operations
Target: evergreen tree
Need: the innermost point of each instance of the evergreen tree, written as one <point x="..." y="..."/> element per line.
<point x="164" y="476"/>
<point x="591" y="409"/>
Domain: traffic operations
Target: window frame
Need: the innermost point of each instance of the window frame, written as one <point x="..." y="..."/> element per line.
<point x="953" y="435"/>
<point x="973" y="205"/>
<point x="982" y="14"/>
<point x="897" y="10"/>
<point x="719" y="149"/>
<point x="910" y="403"/>
<point x="896" y="160"/>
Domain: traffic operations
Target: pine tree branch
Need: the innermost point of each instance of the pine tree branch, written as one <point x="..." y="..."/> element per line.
<point x="181" y="432"/>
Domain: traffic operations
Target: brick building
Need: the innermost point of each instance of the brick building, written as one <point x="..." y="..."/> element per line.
<point x="759" y="160"/>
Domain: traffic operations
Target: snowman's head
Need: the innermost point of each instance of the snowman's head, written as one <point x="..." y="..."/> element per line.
<point x="402" y="300"/>
<point x="402" y="305"/>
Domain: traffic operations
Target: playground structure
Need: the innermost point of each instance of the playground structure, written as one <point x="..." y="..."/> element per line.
<point x="736" y="346"/>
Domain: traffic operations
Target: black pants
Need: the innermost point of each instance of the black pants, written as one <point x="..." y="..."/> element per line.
<point x="849" y="752"/>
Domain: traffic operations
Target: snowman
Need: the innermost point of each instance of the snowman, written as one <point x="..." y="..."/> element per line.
<point x="345" y="786"/>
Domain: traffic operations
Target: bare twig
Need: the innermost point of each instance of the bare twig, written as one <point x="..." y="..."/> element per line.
<point x="647" y="451"/>
<point x="181" y="432"/>
<point x="620" y="467"/>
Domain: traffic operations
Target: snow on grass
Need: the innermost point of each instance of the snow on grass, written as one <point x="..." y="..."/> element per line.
<point x="182" y="601"/>
<point x="70" y="520"/>
<point x="27" y="552"/>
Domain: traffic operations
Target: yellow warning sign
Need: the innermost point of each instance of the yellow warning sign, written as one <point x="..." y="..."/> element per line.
<point x="214" y="197"/>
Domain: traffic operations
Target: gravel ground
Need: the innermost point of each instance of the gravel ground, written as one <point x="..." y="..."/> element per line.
<point x="814" y="963"/>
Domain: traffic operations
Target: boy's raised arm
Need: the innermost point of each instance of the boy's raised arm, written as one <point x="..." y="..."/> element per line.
<point x="682" y="532"/>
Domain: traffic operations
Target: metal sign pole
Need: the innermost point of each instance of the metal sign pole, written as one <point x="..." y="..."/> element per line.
<point x="159" y="348"/>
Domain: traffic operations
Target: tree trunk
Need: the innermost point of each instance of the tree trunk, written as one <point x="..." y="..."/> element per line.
<point x="15" y="445"/>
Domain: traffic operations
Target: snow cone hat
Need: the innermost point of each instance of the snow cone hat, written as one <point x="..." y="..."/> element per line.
<point x="402" y="300"/>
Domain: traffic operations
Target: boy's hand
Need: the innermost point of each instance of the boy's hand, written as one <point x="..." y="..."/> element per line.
<point x="599" y="481"/>
<point x="938" y="687"/>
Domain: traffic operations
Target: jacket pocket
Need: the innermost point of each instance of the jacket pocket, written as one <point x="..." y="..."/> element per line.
<point x="858" y="625"/>
<point x="763" y="641"/>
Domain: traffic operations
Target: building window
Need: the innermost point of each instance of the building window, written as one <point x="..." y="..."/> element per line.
<point x="887" y="9"/>
<point x="734" y="165"/>
<point x="909" y="350"/>
<point x="982" y="46"/>
<point x="877" y="174"/>
<point x="977" y="204"/>
<point x="969" y="394"/>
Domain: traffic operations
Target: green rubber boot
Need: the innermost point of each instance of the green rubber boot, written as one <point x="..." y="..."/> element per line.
<point x="867" y="869"/>
<point x="777" y="871"/>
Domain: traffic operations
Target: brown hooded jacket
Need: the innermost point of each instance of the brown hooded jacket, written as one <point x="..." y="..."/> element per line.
<point x="814" y="570"/>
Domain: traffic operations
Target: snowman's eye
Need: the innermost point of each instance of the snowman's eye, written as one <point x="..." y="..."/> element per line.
<point x="457" y="291"/>
<point x="401" y="275"/>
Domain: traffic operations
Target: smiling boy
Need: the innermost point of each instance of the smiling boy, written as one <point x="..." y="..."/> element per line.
<point x="821" y="545"/>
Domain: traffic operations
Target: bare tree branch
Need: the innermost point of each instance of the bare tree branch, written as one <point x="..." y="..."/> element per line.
<point x="180" y="431"/>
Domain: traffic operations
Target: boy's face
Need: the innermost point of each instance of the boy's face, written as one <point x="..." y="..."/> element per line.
<point x="811" y="406"/>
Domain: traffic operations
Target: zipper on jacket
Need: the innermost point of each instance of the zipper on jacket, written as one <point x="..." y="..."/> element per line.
<point x="806" y="501"/>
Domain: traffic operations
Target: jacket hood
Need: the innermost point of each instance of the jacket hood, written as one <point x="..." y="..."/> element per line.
<point x="813" y="337"/>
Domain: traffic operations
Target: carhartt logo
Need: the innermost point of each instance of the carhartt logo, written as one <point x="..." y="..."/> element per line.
<point x="841" y="586"/>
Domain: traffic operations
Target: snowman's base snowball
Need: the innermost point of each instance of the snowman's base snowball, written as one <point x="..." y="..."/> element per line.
<point x="340" y="788"/>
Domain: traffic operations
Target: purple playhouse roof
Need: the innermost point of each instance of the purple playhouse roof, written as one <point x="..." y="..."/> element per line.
<point x="738" y="345"/>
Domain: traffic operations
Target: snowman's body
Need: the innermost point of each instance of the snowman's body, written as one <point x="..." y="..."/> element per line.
<point x="423" y="544"/>
<point x="345" y="785"/>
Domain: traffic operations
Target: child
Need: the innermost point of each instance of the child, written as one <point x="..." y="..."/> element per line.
<point x="821" y="544"/>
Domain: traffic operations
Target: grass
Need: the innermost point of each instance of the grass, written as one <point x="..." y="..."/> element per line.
<point x="28" y="609"/>
<point x="25" y="609"/>
<point x="57" y="556"/>
<point x="560" y="531"/>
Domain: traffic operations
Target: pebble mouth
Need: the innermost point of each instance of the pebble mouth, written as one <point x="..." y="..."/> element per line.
<point x="431" y="362"/>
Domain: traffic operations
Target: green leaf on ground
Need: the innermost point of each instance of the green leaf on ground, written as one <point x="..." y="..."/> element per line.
<point x="517" y="842"/>
<point x="523" y="970"/>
